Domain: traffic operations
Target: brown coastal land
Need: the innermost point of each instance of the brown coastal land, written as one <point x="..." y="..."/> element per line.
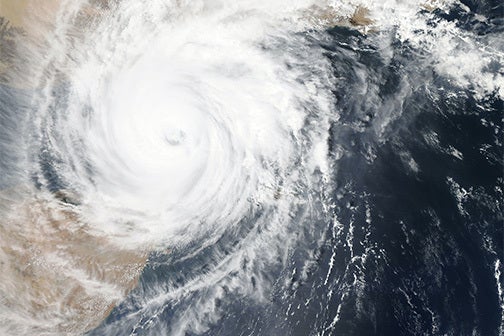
<point x="55" y="276"/>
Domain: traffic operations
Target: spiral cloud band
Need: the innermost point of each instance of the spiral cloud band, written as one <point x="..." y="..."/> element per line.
<point x="188" y="131"/>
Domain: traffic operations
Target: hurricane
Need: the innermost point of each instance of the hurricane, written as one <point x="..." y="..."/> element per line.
<point x="219" y="167"/>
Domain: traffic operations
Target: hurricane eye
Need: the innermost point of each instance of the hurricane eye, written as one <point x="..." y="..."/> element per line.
<point x="174" y="137"/>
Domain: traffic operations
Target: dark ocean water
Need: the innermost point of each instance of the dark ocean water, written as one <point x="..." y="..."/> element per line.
<point x="417" y="223"/>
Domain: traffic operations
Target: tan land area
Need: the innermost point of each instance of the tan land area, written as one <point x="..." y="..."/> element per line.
<point x="55" y="274"/>
<point x="35" y="17"/>
<point x="329" y="17"/>
<point x="26" y="32"/>
<point x="19" y="11"/>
